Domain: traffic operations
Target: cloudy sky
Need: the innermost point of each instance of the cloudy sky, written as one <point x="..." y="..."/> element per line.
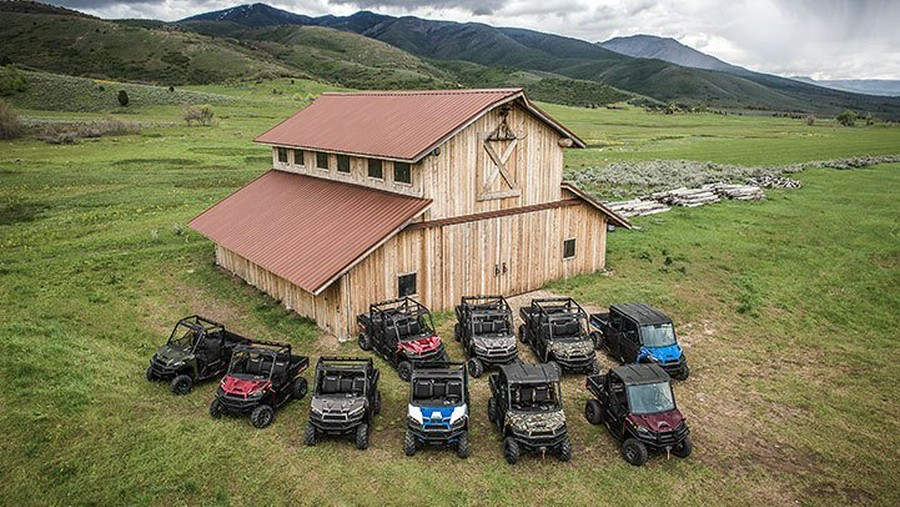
<point x="825" y="39"/>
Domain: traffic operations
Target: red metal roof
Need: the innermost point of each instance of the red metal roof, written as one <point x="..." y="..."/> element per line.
<point x="306" y="230"/>
<point x="399" y="125"/>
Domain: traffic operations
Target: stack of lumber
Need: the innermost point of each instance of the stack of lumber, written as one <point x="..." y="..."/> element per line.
<point x="637" y="207"/>
<point x="686" y="197"/>
<point x="737" y="192"/>
<point x="774" y="182"/>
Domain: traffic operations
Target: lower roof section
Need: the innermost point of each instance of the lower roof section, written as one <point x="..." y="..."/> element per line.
<point x="306" y="230"/>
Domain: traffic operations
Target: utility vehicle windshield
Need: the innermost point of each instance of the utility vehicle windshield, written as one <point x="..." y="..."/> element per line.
<point x="343" y="384"/>
<point x="251" y="365"/>
<point x="434" y="392"/>
<point x="183" y="337"/>
<point x="650" y="398"/>
<point x="540" y="397"/>
<point x="659" y="335"/>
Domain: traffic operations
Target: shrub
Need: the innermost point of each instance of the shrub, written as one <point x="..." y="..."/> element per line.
<point x="811" y="120"/>
<point x="847" y="118"/>
<point x="10" y="126"/>
<point x="69" y="133"/>
<point x="11" y="81"/>
<point x="202" y="115"/>
<point x="123" y="98"/>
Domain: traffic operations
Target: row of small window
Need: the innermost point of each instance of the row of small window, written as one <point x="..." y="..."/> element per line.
<point x="402" y="171"/>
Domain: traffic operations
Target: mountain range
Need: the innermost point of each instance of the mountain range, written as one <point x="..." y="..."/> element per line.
<point x="368" y="50"/>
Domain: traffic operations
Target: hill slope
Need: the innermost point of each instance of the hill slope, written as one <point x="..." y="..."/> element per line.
<point x="668" y="50"/>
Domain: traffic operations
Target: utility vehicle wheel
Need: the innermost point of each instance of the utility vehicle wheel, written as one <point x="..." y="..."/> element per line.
<point x="634" y="452"/>
<point x="376" y="403"/>
<point x="362" y="437"/>
<point x="594" y="368"/>
<point x="510" y="450"/>
<point x="405" y="369"/>
<point x="462" y="446"/>
<point x="564" y="451"/>
<point x="309" y="436"/>
<point x="683" y="374"/>
<point x="492" y="410"/>
<point x="593" y="412"/>
<point x="598" y="340"/>
<point x="476" y="367"/>
<point x="150" y="375"/>
<point x="364" y="342"/>
<point x="684" y="448"/>
<point x="262" y="416"/>
<point x="181" y="385"/>
<point x="301" y="387"/>
<point x="522" y="333"/>
<point x="215" y="408"/>
<point x="457" y="332"/>
<point x="409" y="443"/>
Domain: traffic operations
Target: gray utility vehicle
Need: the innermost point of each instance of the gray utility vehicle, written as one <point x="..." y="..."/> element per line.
<point x="526" y="406"/>
<point x="556" y="329"/>
<point x="198" y="349"/>
<point x="484" y="326"/>
<point x="345" y="400"/>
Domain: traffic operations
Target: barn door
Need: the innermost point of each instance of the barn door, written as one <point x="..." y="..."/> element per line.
<point x="471" y="259"/>
<point x="497" y="162"/>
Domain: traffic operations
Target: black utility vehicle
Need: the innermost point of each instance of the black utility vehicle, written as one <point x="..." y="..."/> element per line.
<point x="402" y="332"/>
<point x="198" y="349"/>
<point x="556" y="329"/>
<point x="438" y="410"/>
<point x="636" y="404"/>
<point x="484" y="326"/>
<point x="345" y="401"/>
<point x="637" y="333"/>
<point x="261" y="377"/>
<point x="526" y="406"/>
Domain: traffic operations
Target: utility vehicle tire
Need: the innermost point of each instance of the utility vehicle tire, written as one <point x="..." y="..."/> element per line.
<point x="683" y="449"/>
<point x="683" y="374"/>
<point x="362" y="437"/>
<point x="522" y="333"/>
<point x="310" y="436"/>
<point x="462" y="445"/>
<point x="492" y="410"/>
<point x="376" y="403"/>
<point x="150" y="375"/>
<point x="409" y="443"/>
<point x="634" y="452"/>
<point x="364" y="342"/>
<point x="404" y="369"/>
<point x="457" y="332"/>
<point x="510" y="450"/>
<point x="593" y="411"/>
<point x="181" y="385"/>
<point x="301" y="387"/>
<point x="564" y="451"/>
<point x="594" y="368"/>
<point x="476" y="367"/>
<point x="262" y="416"/>
<point x="215" y="408"/>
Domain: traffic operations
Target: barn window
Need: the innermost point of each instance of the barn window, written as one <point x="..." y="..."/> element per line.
<point x="569" y="248"/>
<point x="298" y="157"/>
<point x="402" y="173"/>
<point x="343" y="163"/>
<point x="282" y="155"/>
<point x="406" y="285"/>
<point x="375" y="169"/>
<point x="322" y="160"/>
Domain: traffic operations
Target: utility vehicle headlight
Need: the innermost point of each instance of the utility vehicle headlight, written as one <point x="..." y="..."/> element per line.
<point x="315" y="410"/>
<point x="644" y="431"/>
<point x="458" y="414"/>
<point x="356" y="411"/>
<point x="176" y="364"/>
<point x="415" y="414"/>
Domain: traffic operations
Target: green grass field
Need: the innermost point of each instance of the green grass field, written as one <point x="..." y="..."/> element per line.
<point x="787" y="308"/>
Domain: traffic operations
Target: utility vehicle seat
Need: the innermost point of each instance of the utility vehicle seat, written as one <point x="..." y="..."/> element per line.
<point x="440" y="390"/>
<point x="423" y="390"/>
<point x="359" y="385"/>
<point x="331" y="384"/>
<point x="346" y="385"/>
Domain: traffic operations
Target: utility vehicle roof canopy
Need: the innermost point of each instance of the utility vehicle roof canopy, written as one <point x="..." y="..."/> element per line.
<point x="530" y="373"/>
<point x="641" y="313"/>
<point x="343" y="363"/>
<point x="647" y="373"/>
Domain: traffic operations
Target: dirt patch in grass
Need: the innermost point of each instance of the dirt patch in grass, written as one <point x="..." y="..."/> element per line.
<point x="12" y="213"/>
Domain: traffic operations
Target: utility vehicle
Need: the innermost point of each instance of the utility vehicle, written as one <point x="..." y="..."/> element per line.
<point x="636" y="333"/>
<point x="526" y="406"/>
<point x="402" y="332"/>
<point x="198" y="349"/>
<point x="262" y="376"/>
<point x="636" y="404"/>
<point x="556" y="329"/>
<point x="345" y="400"/>
<point x="484" y="326"/>
<point x="438" y="411"/>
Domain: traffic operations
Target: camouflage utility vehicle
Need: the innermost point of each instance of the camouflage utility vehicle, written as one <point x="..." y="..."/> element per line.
<point x="438" y="410"/>
<point x="198" y="349"/>
<point x="637" y="333"/>
<point x="262" y="376"/>
<point x="345" y="400"/>
<point x="402" y="332"/>
<point x="484" y="326"/>
<point x="556" y="329"/>
<point x="636" y="404"/>
<point x="526" y="406"/>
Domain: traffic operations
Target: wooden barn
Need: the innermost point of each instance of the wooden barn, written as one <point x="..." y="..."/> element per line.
<point x="432" y="194"/>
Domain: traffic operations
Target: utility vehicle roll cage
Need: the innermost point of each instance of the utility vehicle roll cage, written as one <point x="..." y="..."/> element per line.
<point x="453" y="371"/>
<point x="486" y="306"/>
<point x="555" y="311"/>
<point x="197" y="324"/>
<point x="407" y="308"/>
<point x="272" y="350"/>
